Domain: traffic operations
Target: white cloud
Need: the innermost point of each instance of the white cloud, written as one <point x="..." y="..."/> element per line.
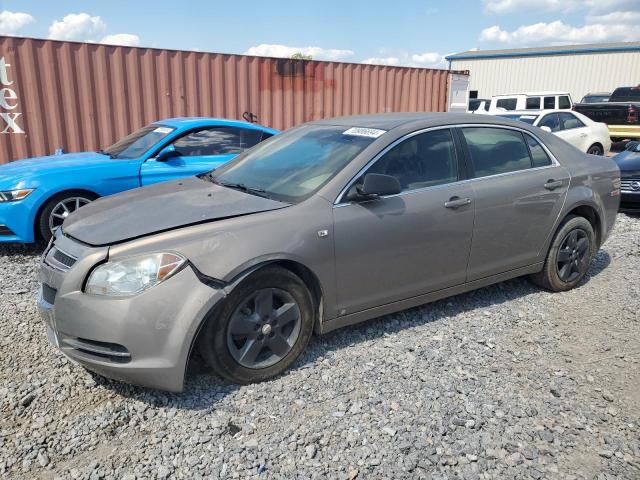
<point x="631" y="18"/>
<point x="317" y="53"/>
<point x="404" y="59"/>
<point x="11" y="22"/>
<point x="558" y="33"/>
<point x="392" y="61"/>
<point x="77" y="26"/>
<point x="124" y="39"/>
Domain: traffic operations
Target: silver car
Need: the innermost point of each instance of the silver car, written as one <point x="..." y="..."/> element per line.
<point x="329" y="224"/>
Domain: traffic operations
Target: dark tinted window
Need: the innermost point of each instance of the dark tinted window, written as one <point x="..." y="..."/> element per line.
<point x="421" y="161"/>
<point x="249" y="137"/>
<point x="563" y="102"/>
<point x="211" y="141"/>
<point x="538" y="156"/>
<point x="626" y="94"/>
<point x="507" y="103"/>
<point x="570" y="121"/>
<point x="594" y="98"/>
<point x="533" y="103"/>
<point x="496" y="150"/>
<point x="549" y="103"/>
<point x="552" y="121"/>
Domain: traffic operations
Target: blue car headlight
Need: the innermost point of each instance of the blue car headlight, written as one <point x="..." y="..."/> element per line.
<point x="15" y="195"/>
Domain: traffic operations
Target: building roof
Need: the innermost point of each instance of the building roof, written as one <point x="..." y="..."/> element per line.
<point x="546" y="51"/>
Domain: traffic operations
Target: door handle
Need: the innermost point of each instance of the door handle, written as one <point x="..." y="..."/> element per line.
<point x="553" y="184"/>
<point x="457" y="202"/>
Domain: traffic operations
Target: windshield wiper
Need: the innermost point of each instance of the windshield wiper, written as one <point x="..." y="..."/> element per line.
<point x="102" y="152"/>
<point x="260" y="192"/>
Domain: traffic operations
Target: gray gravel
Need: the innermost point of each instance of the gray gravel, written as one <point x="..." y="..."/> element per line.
<point x="504" y="382"/>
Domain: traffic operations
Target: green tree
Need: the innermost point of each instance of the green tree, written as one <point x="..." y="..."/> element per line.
<point x="301" y="56"/>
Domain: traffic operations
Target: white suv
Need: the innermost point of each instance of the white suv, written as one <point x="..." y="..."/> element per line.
<point x="531" y="101"/>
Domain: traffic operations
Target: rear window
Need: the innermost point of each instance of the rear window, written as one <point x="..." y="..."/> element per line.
<point x="539" y="157"/>
<point x="549" y="103"/>
<point x="626" y="94"/>
<point x="507" y="103"/>
<point x="496" y="150"/>
<point x="564" y="103"/>
<point x="533" y="103"/>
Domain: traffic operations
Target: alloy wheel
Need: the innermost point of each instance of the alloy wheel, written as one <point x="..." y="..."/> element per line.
<point x="264" y="328"/>
<point x="594" y="150"/>
<point x="573" y="255"/>
<point x="63" y="209"/>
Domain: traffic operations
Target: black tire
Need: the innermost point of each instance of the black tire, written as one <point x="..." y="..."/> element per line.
<point x="595" y="149"/>
<point x="43" y="231"/>
<point x="551" y="276"/>
<point x="214" y="339"/>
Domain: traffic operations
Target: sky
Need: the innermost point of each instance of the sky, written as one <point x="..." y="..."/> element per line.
<point x="401" y="32"/>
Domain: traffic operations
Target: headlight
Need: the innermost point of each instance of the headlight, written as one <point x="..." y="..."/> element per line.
<point x="133" y="275"/>
<point x="13" y="195"/>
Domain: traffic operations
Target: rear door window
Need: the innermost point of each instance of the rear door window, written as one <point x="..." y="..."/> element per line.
<point x="424" y="160"/>
<point x="507" y="103"/>
<point x="496" y="150"/>
<point x="570" y="121"/>
<point x="552" y="121"/>
<point x="549" y="103"/>
<point x="533" y="103"/>
<point x="563" y="102"/>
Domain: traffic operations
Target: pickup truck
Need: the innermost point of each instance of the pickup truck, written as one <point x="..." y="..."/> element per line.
<point x="621" y="113"/>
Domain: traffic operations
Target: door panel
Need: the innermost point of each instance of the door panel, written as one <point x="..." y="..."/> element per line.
<point x="153" y="171"/>
<point x="514" y="216"/>
<point x="401" y="246"/>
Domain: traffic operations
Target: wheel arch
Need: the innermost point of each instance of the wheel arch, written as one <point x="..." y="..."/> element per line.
<point x="596" y="144"/>
<point x="46" y="198"/>
<point x="593" y="217"/>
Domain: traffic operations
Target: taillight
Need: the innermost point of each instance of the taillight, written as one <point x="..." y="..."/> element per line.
<point x="632" y="114"/>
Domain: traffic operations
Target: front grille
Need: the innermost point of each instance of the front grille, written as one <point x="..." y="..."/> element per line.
<point x="49" y="294"/>
<point x="6" y="231"/>
<point x="104" y="350"/>
<point x="631" y="185"/>
<point x="59" y="260"/>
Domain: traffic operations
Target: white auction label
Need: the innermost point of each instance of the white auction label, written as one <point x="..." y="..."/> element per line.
<point x="364" y="132"/>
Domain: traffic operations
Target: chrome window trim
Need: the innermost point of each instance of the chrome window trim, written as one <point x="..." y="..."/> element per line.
<point x="554" y="161"/>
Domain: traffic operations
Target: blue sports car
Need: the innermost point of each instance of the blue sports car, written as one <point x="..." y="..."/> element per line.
<point x="37" y="194"/>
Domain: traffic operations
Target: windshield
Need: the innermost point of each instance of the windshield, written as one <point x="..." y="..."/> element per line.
<point x="135" y="144"/>
<point x="522" y="118"/>
<point x="595" y="99"/>
<point x="294" y="165"/>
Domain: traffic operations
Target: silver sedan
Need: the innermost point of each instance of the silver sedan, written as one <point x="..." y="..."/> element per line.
<point x="329" y="224"/>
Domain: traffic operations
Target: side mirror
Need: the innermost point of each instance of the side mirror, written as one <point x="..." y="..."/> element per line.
<point x="167" y="153"/>
<point x="546" y="129"/>
<point x="375" y="185"/>
<point x="633" y="146"/>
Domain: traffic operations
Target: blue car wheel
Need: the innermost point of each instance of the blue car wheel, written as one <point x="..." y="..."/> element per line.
<point x="59" y="207"/>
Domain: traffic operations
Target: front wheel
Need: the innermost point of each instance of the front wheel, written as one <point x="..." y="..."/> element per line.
<point x="57" y="209"/>
<point x="261" y="328"/>
<point x="569" y="256"/>
<point x="595" y="150"/>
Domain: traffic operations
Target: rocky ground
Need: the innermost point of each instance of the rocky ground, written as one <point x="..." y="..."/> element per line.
<point x="505" y="382"/>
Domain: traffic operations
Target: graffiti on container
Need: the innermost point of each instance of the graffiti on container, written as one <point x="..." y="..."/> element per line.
<point x="8" y="101"/>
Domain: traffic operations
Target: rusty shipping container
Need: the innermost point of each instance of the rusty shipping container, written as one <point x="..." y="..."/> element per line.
<point x="85" y="96"/>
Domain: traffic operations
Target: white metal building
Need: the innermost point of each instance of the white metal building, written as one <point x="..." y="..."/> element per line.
<point x="578" y="69"/>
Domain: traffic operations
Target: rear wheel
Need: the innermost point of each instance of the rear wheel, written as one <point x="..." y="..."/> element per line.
<point x="595" y="149"/>
<point x="261" y="329"/>
<point x="569" y="256"/>
<point x="58" y="208"/>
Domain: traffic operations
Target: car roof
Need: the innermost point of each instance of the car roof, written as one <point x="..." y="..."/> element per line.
<point x="597" y="93"/>
<point x="537" y="112"/>
<point x="390" y="121"/>
<point x="530" y="94"/>
<point x="194" y="122"/>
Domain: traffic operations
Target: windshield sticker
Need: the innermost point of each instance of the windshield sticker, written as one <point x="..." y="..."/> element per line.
<point x="364" y="132"/>
<point x="528" y="117"/>
<point x="163" y="130"/>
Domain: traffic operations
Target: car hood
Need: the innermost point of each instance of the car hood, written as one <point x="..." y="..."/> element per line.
<point x="23" y="169"/>
<point x="158" y="208"/>
<point x="628" y="161"/>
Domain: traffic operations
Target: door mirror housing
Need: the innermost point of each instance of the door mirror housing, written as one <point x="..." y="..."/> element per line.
<point x="167" y="153"/>
<point x="373" y="186"/>
<point x="546" y="129"/>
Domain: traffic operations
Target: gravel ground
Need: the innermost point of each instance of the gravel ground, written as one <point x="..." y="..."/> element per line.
<point x="504" y="382"/>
